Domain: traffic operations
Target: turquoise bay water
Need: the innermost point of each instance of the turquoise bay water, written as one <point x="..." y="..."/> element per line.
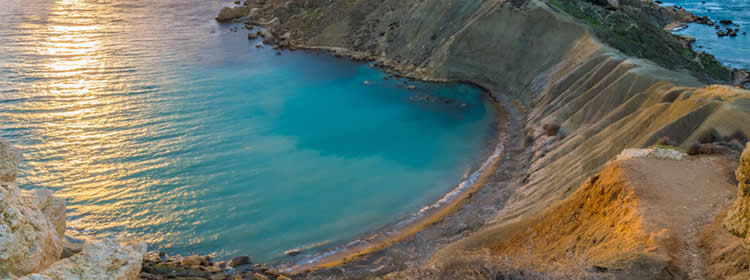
<point x="731" y="51"/>
<point x="156" y="123"/>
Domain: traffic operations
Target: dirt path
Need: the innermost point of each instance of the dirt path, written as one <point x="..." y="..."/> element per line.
<point x="679" y="199"/>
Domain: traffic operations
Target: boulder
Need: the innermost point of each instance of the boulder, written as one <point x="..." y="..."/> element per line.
<point x="268" y="37"/>
<point x="738" y="219"/>
<point x="272" y="25"/>
<point x="101" y="259"/>
<point x="239" y="260"/>
<point x="193" y="260"/>
<point x="230" y="13"/>
<point x="33" y="223"/>
<point x="725" y="21"/>
<point x="252" y="36"/>
<point x="70" y="249"/>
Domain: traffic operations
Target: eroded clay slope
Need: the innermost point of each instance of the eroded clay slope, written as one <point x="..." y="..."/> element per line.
<point x="640" y="218"/>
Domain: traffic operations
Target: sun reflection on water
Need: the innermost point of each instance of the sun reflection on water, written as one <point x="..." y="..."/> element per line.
<point x="88" y="115"/>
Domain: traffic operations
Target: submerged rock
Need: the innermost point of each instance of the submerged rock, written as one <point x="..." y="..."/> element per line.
<point x="101" y="259"/>
<point x="33" y="224"/>
<point x="738" y="219"/>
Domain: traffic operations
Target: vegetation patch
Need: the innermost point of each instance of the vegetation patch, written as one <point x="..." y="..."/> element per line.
<point x="635" y="36"/>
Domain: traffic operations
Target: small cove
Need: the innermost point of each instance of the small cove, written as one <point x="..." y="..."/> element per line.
<point x="158" y="124"/>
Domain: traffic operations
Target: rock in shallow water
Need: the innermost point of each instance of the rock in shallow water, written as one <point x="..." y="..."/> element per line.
<point x="239" y="260"/>
<point x="227" y="13"/>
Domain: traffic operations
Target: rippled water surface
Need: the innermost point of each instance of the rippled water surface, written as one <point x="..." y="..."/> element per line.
<point x="156" y="123"/>
<point x="732" y="51"/>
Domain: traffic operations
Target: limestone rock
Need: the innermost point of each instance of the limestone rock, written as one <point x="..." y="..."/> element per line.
<point x="70" y="249"/>
<point x="32" y="223"/>
<point x="101" y="259"/>
<point x="274" y="23"/>
<point x="659" y="153"/>
<point x="193" y="260"/>
<point x="738" y="218"/>
<point x="9" y="158"/>
<point x="228" y="13"/>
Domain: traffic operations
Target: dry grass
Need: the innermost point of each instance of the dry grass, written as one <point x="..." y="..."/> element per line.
<point x="483" y="265"/>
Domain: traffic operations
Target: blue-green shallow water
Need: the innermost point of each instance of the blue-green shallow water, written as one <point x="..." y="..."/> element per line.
<point x="158" y="124"/>
<point x="731" y="51"/>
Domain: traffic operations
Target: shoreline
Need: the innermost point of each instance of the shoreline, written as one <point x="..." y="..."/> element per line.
<point x="412" y="223"/>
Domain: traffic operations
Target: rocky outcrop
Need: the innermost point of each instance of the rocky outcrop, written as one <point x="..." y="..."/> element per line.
<point x="102" y="259"/>
<point x="9" y="158"/>
<point x="738" y="218"/>
<point x="230" y="13"/>
<point x="32" y="223"/>
<point x="32" y="240"/>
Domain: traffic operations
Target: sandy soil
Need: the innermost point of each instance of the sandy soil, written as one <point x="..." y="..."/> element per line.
<point x="641" y="218"/>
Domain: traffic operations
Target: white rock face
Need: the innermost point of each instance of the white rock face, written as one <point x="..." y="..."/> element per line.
<point x="659" y="153"/>
<point x="32" y="224"/>
<point x="101" y="259"/>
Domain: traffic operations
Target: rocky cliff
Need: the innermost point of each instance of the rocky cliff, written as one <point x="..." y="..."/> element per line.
<point x="32" y="236"/>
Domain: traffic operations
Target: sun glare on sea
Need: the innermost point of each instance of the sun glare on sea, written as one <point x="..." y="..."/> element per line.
<point x="73" y="42"/>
